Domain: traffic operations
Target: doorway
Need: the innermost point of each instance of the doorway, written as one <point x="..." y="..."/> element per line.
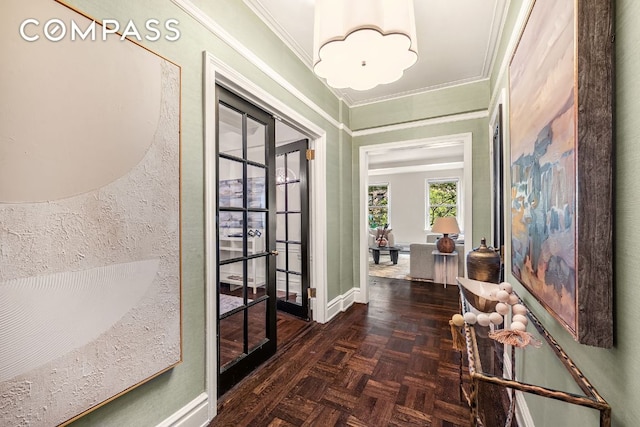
<point x="217" y="73"/>
<point x="292" y="235"/>
<point x="464" y="139"/>
<point x="245" y="211"/>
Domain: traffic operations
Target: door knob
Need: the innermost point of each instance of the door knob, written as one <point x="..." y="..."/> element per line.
<point x="274" y="253"/>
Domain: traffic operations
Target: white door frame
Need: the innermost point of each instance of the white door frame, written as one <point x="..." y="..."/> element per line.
<point x="217" y="72"/>
<point x="467" y="208"/>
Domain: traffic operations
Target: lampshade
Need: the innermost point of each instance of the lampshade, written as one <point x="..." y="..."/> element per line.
<point x="445" y="225"/>
<point x="363" y="43"/>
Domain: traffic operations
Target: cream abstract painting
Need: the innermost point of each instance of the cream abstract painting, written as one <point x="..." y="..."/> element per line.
<point x="89" y="219"/>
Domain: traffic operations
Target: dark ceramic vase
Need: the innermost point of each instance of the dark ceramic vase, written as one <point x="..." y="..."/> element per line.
<point x="483" y="263"/>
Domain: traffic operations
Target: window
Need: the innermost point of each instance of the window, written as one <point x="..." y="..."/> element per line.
<point x="442" y="200"/>
<point x="378" y="205"/>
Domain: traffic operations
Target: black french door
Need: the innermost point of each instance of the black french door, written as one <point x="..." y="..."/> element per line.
<point x="292" y="235"/>
<point x="246" y="292"/>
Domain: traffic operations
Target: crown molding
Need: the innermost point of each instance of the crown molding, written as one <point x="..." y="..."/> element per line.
<point x="210" y="24"/>
<point x="258" y="8"/>
<point x="434" y="88"/>
<point x="499" y="14"/>
<point x="263" y="13"/>
<point x="420" y="123"/>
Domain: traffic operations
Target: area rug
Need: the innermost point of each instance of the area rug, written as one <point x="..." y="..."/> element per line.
<point x="388" y="269"/>
<point x="229" y="302"/>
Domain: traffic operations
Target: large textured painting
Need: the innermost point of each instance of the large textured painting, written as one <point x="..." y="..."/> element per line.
<point x="89" y="219"/>
<point x="561" y="187"/>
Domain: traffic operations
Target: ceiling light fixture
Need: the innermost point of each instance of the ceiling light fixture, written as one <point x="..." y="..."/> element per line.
<point x="360" y="44"/>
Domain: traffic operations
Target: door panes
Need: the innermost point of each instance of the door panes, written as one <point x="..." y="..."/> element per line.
<point x="232" y="274"/>
<point x="230" y="132"/>
<point x="294" y="225"/>
<point x="230" y="184"/>
<point x="231" y="338"/>
<point x="256" y="232"/>
<point x="294" y="256"/>
<point x="256" y="137"/>
<point x="291" y="201"/>
<point x="256" y="191"/>
<point x="257" y="330"/>
<point x="246" y="279"/>
<point x="257" y="275"/>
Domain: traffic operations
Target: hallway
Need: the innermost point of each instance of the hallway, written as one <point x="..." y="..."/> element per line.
<point x="388" y="363"/>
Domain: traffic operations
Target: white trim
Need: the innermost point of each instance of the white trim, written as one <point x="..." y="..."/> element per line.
<point x="342" y="303"/>
<point x="258" y="8"/>
<point x="420" y="123"/>
<point x="523" y="415"/>
<point x="417" y="168"/>
<point x="216" y="72"/>
<point x="494" y="40"/>
<point x="318" y="231"/>
<point x="211" y="260"/>
<point x="193" y="414"/>
<point x="413" y="92"/>
<point x="492" y="124"/>
<point x="210" y="24"/>
<point x="466" y="139"/>
<point x="467" y="190"/>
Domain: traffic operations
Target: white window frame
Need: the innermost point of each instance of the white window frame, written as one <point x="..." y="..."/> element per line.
<point x="427" y="203"/>
<point x="379" y="184"/>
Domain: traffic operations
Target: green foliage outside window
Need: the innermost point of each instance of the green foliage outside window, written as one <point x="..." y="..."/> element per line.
<point x="378" y="205"/>
<point x="443" y="200"/>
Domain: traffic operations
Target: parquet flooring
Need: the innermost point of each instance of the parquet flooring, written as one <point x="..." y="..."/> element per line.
<point x="388" y="363"/>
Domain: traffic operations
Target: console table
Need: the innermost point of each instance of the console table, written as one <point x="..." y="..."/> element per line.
<point x="393" y="253"/>
<point x="490" y="362"/>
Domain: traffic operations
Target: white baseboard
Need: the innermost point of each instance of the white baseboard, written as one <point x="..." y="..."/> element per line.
<point x="194" y="414"/>
<point x="523" y="416"/>
<point x="341" y="303"/>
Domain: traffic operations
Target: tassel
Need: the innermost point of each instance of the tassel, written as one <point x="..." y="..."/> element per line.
<point x="515" y="338"/>
<point x="459" y="342"/>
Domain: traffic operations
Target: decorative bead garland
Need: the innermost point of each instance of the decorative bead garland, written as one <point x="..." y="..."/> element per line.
<point x="508" y="301"/>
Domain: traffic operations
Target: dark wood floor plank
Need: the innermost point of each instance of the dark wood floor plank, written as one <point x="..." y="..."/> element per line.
<point x="388" y="363"/>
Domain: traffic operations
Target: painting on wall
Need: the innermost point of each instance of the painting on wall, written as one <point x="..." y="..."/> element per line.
<point x="90" y="284"/>
<point x="561" y="165"/>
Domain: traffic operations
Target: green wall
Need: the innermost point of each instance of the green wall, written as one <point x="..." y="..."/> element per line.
<point x="613" y="372"/>
<point x="437" y="103"/>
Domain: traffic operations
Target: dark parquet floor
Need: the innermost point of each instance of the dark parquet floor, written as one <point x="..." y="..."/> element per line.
<point x="388" y="363"/>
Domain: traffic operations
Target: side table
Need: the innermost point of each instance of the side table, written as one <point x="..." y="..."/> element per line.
<point x="445" y="267"/>
<point x="393" y="253"/>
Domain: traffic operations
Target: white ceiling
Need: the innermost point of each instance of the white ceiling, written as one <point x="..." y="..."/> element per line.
<point x="457" y="41"/>
<point x="427" y="157"/>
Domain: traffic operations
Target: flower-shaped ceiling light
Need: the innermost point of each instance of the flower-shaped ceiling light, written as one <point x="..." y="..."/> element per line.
<point x="363" y="43"/>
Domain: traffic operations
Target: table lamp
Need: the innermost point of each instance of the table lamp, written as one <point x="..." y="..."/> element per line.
<point x="445" y="225"/>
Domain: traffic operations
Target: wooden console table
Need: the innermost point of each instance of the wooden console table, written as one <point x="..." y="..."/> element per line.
<point x="490" y="362"/>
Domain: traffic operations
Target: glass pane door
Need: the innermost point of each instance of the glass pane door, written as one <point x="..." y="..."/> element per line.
<point x="246" y="268"/>
<point x="292" y="272"/>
